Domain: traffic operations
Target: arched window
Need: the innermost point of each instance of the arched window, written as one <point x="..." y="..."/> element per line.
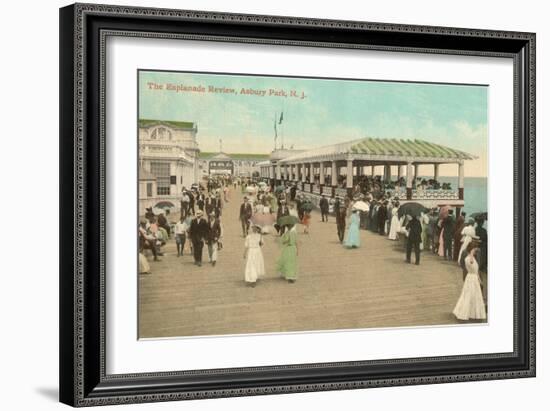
<point x="161" y="133"/>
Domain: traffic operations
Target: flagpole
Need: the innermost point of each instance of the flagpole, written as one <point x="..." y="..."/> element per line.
<point x="275" y="128"/>
<point x="283" y="128"/>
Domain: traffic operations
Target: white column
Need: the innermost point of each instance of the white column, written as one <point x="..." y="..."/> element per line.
<point x="278" y="171"/>
<point x="311" y="176"/>
<point x="303" y="167"/>
<point x="322" y="173"/>
<point x="436" y="171"/>
<point x="409" y="175"/>
<point x="461" y="174"/>
<point x="334" y="174"/>
<point x="349" y="175"/>
<point x="387" y="173"/>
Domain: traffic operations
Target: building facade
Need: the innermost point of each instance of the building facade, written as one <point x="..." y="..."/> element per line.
<point x="168" y="153"/>
<point x="237" y="165"/>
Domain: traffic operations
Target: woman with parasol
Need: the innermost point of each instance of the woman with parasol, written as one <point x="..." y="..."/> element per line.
<point x="287" y="264"/>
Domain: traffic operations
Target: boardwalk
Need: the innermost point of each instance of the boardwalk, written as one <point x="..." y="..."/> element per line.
<point x="336" y="288"/>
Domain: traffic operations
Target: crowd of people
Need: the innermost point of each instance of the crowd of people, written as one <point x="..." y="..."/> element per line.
<point x="376" y="184"/>
<point x="279" y="211"/>
<point x="435" y="231"/>
<point x="200" y="224"/>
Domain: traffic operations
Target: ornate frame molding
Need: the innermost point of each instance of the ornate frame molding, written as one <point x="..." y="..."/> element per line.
<point x="83" y="378"/>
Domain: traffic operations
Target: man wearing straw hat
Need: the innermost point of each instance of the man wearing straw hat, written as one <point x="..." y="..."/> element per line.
<point x="198" y="232"/>
<point x="245" y="214"/>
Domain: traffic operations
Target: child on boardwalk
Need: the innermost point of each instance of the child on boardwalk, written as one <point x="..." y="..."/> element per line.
<point x="306" y="220"/>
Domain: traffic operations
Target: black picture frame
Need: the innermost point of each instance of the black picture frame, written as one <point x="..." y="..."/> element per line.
<point x="83" y="29"/>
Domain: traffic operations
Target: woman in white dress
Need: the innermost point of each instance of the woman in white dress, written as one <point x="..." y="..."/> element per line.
<point x="254" y="268"/>
<point x="395" y="225"/>
<point x="470" y="305"/>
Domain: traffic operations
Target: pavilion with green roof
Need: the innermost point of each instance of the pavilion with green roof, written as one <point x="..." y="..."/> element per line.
<point x="318" y="170"/>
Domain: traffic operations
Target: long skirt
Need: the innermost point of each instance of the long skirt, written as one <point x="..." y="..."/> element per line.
<point x="470" y="304"/>
<point x="255" y="267"/>
<point x="441" y="251"/>
<point x="394" y="228"/>
<point x="144" y="266"/>
<point x="353" y="239"/>
<point x="213" y="251"/>
<point x="287" y="264"/>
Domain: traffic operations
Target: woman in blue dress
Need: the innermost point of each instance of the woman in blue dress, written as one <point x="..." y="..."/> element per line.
<point x="352" y="239"/>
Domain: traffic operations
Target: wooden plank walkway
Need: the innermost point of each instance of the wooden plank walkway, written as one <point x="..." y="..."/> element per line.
<point x="337" y="288"/>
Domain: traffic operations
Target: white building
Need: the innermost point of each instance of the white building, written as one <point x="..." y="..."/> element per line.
<point x="168" y="151"/>
<point x="238" y="165"/>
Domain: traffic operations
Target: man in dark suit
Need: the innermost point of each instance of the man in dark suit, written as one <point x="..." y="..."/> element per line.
<point x="323" y="205"/>
<point x="336" y="206"/>
<point x="245" y="214"/>
<point x="298" y="201"/>
<point x="448" y="235"/>
<point x="218" y="205"/>
<point x="213" y="237"/>
<point x="198" y="232"/>
<point x="382" y="215"/>
<point x="482" y="234"/>
<point x="191" y="202"/>
<point x="293" y="192"/>
<point x="200" y="201"/>
<point x="414" y="229"/>
<point x="282" y="211"/>
<point x="341" y="222"/>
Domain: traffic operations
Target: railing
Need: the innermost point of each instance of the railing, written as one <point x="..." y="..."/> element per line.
<point x="316" y="190"/>
<point x="307" y="187"/>
<point x="435" y="194"/>
<point x="425" y="194"/>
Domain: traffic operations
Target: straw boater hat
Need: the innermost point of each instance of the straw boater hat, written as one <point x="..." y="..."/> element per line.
<point x="199" y="213"/>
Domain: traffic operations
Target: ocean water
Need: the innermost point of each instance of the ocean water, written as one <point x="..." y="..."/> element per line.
<point x="475" y="192"/>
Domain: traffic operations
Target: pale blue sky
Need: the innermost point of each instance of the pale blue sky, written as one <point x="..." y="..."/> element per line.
<point x="333" y="111"/>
